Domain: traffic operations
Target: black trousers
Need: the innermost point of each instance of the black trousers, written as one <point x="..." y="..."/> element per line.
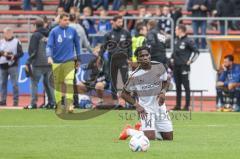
<point x="181" y="76"/>
<point x="117" y="64"/>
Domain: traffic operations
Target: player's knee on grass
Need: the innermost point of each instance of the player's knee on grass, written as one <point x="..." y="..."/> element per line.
<point x="150" y="134"/>
<point x="99" y="86"/>
<point x="81" y="87"/>
<point x="167" y="135"/>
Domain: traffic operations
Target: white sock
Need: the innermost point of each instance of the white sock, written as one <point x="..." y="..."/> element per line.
<point x="133" y="132"/>
<point x="158" y="135"/>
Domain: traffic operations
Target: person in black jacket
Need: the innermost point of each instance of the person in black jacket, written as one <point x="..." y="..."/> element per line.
<point x="157" y="43"/>
<point x="40" y="66"/>
<point x="185" y="53"/>
<point x="199" y="8"/>
<point x="66" y="4"/>
<point x="10" y="53"/>
<point x="118" y="55"/>
<point x="225" y="8"/>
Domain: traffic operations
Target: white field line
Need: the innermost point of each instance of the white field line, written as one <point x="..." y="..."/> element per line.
<point x="64" y="126"/>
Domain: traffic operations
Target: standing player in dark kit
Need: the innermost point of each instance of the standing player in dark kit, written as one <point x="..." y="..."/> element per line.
<point x="157" y="42"/>
<point x="118" y="55"/>
<point x="185" y="53"/>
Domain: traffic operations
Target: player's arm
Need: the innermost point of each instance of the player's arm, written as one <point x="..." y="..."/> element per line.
<point x="194" y="52"/>
<point x="165" y="86"/>
<point x="128" y="98"/>
<point x="49" y="48"/>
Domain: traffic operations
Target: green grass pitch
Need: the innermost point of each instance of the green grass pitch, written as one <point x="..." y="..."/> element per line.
<point x="40" y="134"/>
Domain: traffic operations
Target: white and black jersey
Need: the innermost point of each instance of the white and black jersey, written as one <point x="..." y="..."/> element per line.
<point x="147" y="84"/>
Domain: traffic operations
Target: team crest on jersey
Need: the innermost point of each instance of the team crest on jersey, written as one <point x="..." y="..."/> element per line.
<point x="182" y="46"/>
<point x="123" y="38"/>
<point x="59" y="38"/>
<point x="161" y="38"/>
<point x="70" y="37"/>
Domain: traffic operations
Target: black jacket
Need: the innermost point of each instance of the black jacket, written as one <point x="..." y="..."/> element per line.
<point x="225" y="8"/>
<point x="81" y="4"/>
<point x="66" y="4"/>
<point x="199" y="12"/>
<point x="236" y="7"/>
<point x="184" y="50"/>
<point x="157" y="43"/>
<point x="118" y="35"/>
<point x="37" y="46"/>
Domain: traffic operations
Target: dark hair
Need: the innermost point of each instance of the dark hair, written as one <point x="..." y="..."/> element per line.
<point x="139" y="49"/>
<point x="229" y="57"/>
<point x="39" y="23"/>
<point x="64" y="15"/>
<point x="182" y="27"/>
<point x="115" y="18"/>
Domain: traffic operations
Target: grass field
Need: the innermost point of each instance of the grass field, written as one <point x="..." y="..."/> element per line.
<point x="40" y="134"/>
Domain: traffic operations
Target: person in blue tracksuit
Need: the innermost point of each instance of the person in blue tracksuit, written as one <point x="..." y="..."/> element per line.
<point x="229" y="81"/>
<point x="63" y="50"/>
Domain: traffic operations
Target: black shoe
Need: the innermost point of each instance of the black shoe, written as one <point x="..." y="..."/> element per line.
<point x="42" y="106"/>
<point x="186" y="108"/>
<point x="176" y="108"/>
<point x="31" y="107"/>
<point x="49" y="106"/>
<point x="63" y="101"/>
<point x="3" y="103"/>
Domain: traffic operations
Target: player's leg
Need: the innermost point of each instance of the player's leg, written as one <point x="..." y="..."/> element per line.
<point x="113" y="75"/>
<point x="148" y="126"/>
<point x="13" y="72"/>
<point x="81" y="88"/>
<point x="4" y="83"/>
<point x="178" y="82"/>
<point x="69" y="73"/>
<point x="100" y="90"/>
<point x="232" y="86"/>
<point x="164" y="127"/>
<point x="58" y="78"/>
<point x="186" y="85"/>
<point x="36" y="76"/>
<point x="48" y="86"/>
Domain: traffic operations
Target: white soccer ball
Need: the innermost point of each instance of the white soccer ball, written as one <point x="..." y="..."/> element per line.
<point x="139" y="143"/>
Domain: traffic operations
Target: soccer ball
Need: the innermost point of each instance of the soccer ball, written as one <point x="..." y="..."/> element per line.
<point x="139" y="143"/>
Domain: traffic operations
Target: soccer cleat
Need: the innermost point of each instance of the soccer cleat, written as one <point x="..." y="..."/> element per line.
<point x="138" y="126"/>
<point x="123" y="135"/>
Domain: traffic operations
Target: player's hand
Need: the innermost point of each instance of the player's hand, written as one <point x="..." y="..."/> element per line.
<point x="195" y="7"/>
<point x="189" y="62"/>
<point x="161" y="99"/>
<point x="50" y="60"/>
<point x="224" y="67"/>
<point x="141" y="111"/>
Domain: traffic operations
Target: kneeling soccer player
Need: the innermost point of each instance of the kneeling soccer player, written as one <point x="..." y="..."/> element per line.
<point x="150" y="82"/>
